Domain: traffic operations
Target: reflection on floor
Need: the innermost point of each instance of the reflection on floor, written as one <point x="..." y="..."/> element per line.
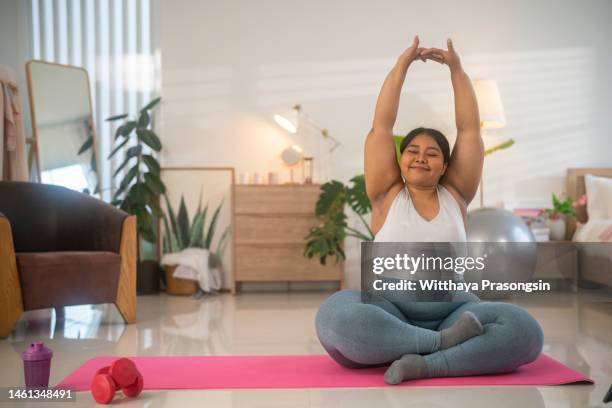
<point x="578" y="330"/>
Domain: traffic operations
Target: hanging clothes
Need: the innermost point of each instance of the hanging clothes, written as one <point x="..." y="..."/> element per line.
<point x="13" y="160"/>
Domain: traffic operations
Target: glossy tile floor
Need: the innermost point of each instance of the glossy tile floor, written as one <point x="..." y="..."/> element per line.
<point x="578" y="330"/>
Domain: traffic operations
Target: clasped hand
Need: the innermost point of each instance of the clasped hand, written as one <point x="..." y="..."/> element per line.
<point x="447" y="57"/>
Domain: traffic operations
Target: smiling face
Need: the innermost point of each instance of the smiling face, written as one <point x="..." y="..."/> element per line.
<point x="422" y="162"/>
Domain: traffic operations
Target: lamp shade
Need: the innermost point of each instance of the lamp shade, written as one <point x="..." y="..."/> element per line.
<point x="289" y="120"/>
<point x="286" y="122"/>
<point x="490" y="105"/>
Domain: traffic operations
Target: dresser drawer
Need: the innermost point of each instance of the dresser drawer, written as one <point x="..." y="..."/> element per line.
<point x="273" y="229"/>
<point x="281" y="263"/>
<point x="276" y="199"/>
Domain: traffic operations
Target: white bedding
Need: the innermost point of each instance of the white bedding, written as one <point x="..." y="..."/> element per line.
<point x="597" y="230"/>
<point x="599" y="197"/>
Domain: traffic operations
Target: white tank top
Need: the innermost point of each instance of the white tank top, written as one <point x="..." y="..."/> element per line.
<point x="405" y="224"/>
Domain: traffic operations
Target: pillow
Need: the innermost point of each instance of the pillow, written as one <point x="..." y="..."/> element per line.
<point x="594" y="231"/>
<point x="599" y="197"/>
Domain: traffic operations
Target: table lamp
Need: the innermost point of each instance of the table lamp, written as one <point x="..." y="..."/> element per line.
<point x="492" y="116"/>
<point x="292" y="121"/>
<point x="295" y="121"/>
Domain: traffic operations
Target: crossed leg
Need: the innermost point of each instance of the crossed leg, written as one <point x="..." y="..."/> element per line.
<point x="359" y="335"/>
<point x="511" y="337"/>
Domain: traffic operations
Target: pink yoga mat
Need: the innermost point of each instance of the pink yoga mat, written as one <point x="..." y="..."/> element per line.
<point x="309" y="371"/>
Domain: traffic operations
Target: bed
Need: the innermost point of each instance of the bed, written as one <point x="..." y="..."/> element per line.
<point x="594" y="256"/>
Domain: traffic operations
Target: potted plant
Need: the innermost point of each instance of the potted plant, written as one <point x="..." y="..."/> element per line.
<point x="180" y="233"/>
<point x="327" y="238"/>
<point x="557" y="217"/>
<point x="139" y="184"/>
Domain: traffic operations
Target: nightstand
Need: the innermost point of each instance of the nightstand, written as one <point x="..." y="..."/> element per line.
<point x="558" y="260"/>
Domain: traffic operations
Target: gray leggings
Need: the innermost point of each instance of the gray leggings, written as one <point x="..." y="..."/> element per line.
<point x="360" y="335"/>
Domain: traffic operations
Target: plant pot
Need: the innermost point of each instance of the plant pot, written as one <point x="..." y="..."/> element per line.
<point x="147" y="278"/>
<point x="557" y="229"/>
<point x="177" y="286"/>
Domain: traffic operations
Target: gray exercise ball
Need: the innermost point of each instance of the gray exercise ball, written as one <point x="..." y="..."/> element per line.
<point x="496" y="225"/>
<point x="509" y="245"/>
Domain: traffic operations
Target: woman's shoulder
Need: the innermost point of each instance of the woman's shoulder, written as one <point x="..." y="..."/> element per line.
<point x="454" y="195"/>
<point x="389" y="197"/>
<point x="451" y="192"/>
<point x="381" y="207"/>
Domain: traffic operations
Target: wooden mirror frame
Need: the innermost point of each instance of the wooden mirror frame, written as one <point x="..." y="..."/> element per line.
<point x="34" y="140"/>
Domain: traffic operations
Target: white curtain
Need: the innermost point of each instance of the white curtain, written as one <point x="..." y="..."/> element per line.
<point x="115" y="41"/>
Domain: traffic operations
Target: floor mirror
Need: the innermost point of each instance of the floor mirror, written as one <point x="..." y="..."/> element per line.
<point x="63" y="130"/>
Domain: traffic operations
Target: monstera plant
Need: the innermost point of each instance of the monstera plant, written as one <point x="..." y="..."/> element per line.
<point x="140" y="185"/>
<point x="327" y="238"/>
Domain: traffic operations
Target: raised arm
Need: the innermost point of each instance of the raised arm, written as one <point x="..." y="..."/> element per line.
<point x="465" y="166"/>
<point x="381" y="168"/>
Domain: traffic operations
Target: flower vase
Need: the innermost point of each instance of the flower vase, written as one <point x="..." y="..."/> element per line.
<point x="557" y="229"/>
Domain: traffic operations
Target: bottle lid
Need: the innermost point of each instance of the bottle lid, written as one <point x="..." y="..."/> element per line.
<point x="37" y="351"/>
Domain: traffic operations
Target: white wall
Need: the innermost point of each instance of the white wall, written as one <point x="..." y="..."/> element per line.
<point x="228" y="66"/>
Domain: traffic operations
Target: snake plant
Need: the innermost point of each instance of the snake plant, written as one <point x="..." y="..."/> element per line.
<point x="181" y="233"/>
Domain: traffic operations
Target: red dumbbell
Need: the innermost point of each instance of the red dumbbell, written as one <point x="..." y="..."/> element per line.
<point x="122" y="373"/>
<point x="135" y="389"/>
<point x="127" y="377"/>
<point x="103" y="386"/>
<point x="103" y="370"/>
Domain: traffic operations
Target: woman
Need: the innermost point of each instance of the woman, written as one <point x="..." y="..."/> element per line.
<point x="423" y="199"/>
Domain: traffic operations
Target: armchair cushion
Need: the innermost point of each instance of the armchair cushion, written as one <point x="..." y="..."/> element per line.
<point x="45" y="217"/>
<point x="55" y="279"/>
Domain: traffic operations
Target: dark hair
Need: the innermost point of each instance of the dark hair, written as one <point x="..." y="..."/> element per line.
<point x="435" y="134"/>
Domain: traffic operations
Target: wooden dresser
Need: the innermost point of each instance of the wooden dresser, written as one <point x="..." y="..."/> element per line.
<point x="270" y="223"/>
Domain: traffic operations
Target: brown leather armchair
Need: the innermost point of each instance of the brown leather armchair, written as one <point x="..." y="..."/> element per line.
<point x="60" y="248"/>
